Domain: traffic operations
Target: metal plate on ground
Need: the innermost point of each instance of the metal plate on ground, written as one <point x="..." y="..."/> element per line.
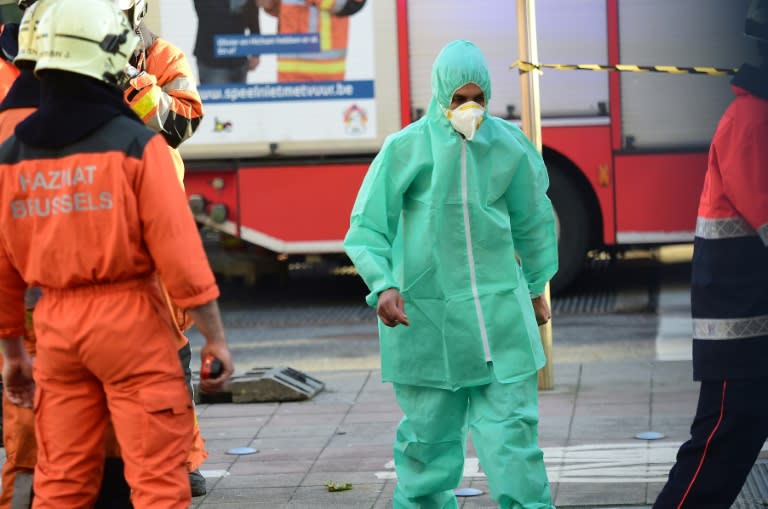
<point x="467" y="492"/>
<point x="241" y="451"/>
<point x="274" y="384"/>
<point x="259" y="385"/>
<point x="754" y="494"/>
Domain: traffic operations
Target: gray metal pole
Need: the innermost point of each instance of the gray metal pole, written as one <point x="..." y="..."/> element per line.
<point x="531" y="125"/>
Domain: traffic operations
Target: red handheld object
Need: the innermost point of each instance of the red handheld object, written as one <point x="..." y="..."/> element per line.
<point x="211" y="367"/>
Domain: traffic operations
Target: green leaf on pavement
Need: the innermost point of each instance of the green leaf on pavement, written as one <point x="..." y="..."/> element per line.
<point x="332" y="486"/>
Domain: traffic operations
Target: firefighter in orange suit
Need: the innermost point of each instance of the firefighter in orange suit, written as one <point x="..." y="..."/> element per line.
<point x="330" y="20"/>
<point x="22" y="99"/>
<point x="18" y="433"/>
<point x="92" y="213"/>
<point x="162" y="92"/>
<point x="8" y="74"/>
<point x="19" y="427"/>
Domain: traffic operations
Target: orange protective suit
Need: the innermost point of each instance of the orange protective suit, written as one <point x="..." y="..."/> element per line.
<point x="92" y="224"/>
<point x="165" y="97"/>
<point x="18" y="422"/>
<point x="313" y="16"/>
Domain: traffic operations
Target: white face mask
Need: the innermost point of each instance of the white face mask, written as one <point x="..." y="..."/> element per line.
<point x="466" y="118"/>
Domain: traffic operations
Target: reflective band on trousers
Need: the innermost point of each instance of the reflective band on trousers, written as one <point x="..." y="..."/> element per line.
<point x="725" y="228"/>
<point x="730" y="328"/>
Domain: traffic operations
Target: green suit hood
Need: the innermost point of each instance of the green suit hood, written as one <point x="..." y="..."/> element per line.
<point x="460" y="62"/>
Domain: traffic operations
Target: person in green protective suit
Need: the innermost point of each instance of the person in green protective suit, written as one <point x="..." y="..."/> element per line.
<point x="454" y="235"/>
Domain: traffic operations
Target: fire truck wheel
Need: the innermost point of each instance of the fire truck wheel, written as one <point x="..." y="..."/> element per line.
<point x="573" y="226"/>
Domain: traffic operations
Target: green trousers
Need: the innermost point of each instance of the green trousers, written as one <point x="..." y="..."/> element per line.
<point x="430" y="444"/>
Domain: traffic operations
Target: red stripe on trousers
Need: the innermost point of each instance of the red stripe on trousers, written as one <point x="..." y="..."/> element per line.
<point x="706" y="447"/>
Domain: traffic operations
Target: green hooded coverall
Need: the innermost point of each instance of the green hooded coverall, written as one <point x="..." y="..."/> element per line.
<point x="442" y="219"/>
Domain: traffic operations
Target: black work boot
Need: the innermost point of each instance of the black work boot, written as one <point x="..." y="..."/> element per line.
<point x="197" y="483"/>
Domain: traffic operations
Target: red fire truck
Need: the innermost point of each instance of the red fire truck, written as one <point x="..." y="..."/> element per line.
<point x="278" y="165"/>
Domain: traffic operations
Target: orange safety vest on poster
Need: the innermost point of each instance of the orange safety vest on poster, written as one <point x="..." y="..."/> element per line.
<point x="313" y="16"/>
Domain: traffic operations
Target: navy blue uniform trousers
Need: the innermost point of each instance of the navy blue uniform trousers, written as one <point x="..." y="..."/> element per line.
<point x="729" y="429"/>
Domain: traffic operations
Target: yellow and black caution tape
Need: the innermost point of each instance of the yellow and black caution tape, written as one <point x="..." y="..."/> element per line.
<point x="668" y="69"/>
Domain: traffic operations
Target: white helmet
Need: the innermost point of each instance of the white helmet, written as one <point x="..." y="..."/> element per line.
<point x="98" y="44"/>
<point x="134" y="9"/>
<point x="27" y="33"/>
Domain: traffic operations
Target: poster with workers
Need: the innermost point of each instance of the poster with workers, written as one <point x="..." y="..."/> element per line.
<point x="278" y="72"/>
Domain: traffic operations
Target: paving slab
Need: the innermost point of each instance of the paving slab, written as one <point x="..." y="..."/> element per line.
<point x="588" y="424"/>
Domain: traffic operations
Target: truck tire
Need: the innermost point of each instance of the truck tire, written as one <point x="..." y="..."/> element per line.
<point x="573" y="226"/>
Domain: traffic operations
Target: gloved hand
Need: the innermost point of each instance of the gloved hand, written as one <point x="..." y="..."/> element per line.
<point x="137" y="83"/>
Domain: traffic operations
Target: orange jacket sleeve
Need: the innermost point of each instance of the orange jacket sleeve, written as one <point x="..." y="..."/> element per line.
<point x="169" y="230"/>
<point x="165" y="96"/>
<point x="12" y="288"/>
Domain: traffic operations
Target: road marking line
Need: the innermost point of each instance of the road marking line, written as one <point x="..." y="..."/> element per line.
<point x="603" y="463"/>
<point x="628" y="462"/>
<point x="214" y="474"/>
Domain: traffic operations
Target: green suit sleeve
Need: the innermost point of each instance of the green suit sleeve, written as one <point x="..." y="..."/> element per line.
<point x="374" y="223"/>
<point x="532" y="218"/>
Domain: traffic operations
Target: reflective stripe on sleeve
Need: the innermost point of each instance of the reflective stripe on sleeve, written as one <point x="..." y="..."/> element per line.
<point x="181" y="83"/>
<point x="725" y="228"/>
<point x="730" y="328"/>
<point x="147" y="102"/>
